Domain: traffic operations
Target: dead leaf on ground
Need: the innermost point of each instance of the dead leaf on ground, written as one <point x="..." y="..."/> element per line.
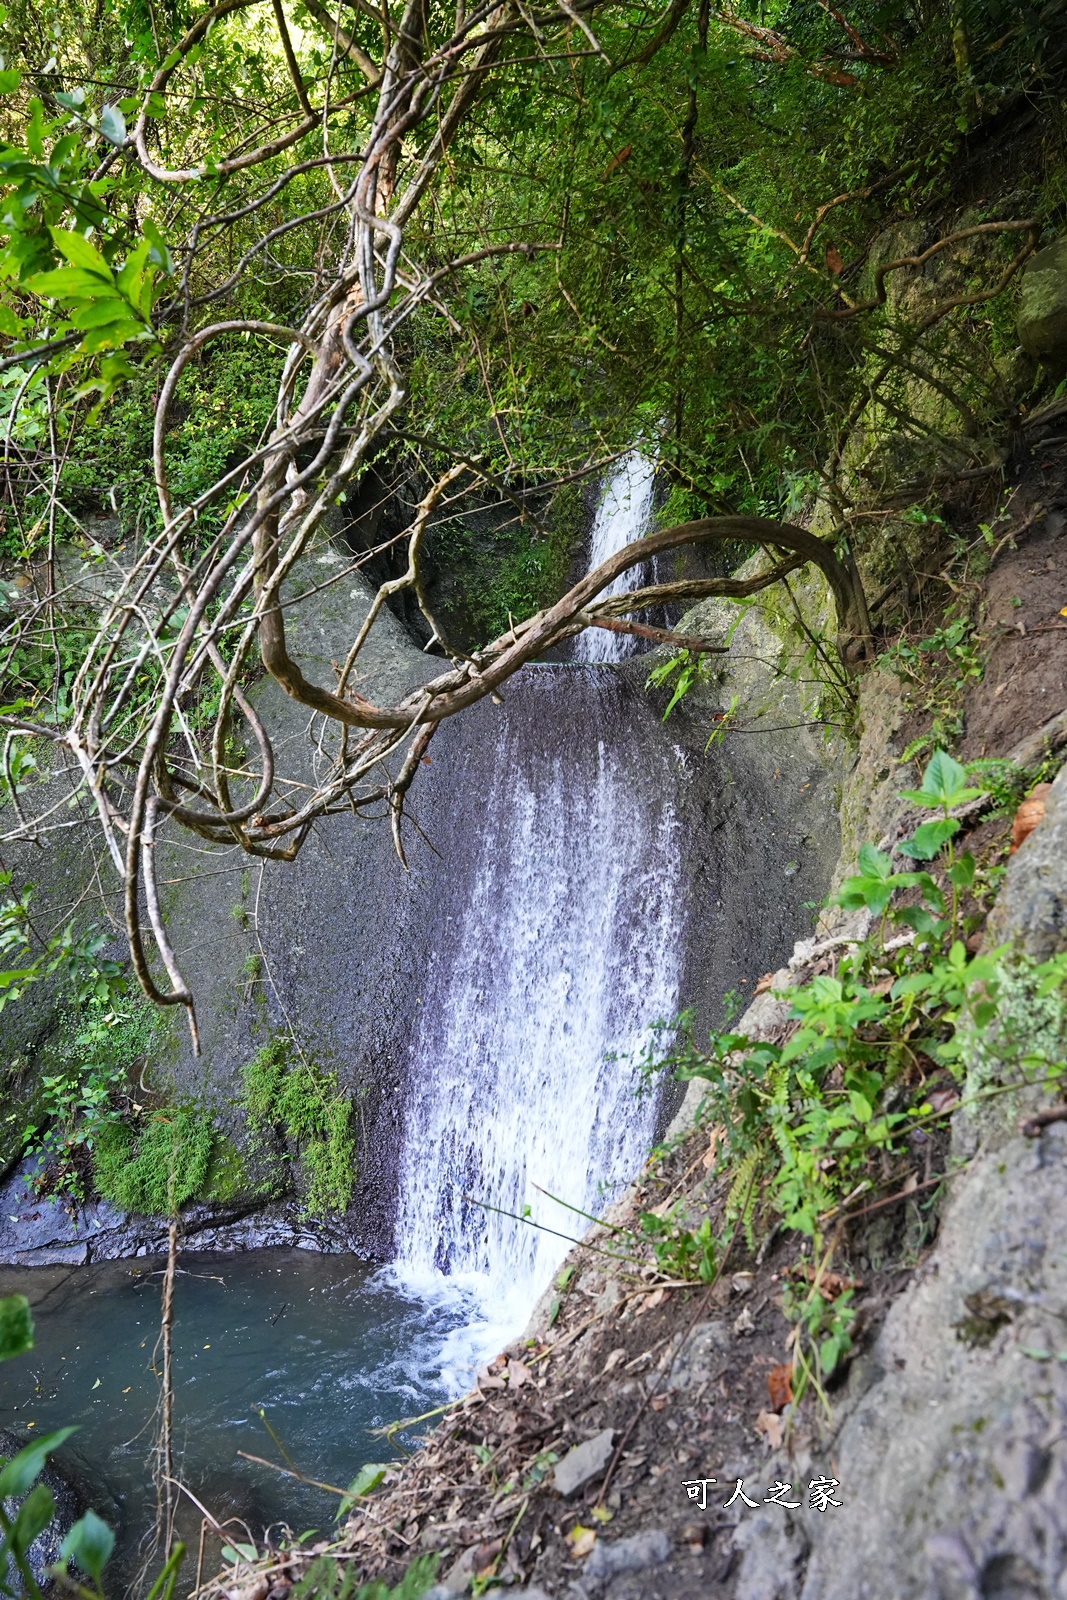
<point x="780" y="1386"/>
<point x="943" y="1099"/>
<point x="613" y="1360"/>
<point x="764" y="983"/>
<point x="651" y="1301"/>
<point x="831" y="1284"/>
<point x="581" y="1541"/>
<point x="770" y="1424"/>
<point x="518" y="1374"/>
<point x="659" y="1401"/>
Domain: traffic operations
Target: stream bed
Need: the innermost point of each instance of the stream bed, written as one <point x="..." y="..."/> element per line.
<point x="325" y="1345"/>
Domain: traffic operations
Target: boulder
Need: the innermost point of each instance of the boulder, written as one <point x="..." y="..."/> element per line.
<point x="1042" y="321"/>
<point x="585" y="1462"/>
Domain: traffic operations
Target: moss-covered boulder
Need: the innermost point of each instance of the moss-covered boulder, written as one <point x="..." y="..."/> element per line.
<point x="1042" y="320"/>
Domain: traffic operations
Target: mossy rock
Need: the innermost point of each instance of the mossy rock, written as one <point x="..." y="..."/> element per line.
<point x="1042" y="321"/>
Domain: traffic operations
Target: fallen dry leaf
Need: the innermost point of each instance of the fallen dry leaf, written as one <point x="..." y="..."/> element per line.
<point x="613" y="1359"/>
<point x="943" y="1099"/>
<point x="518" y="1374"/>
<point x="770" y="1424"/>
<point x="1029" y="815"/>
<point x="764" y="984"/>
<point x="780" y="1386"/>
<point x="581" y="1541"/>
<point x="651" y="1301"/>
<point x="659" y="1401"/>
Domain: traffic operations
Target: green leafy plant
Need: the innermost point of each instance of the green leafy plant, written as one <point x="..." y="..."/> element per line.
<point x="76" y="956"/>
<point x="819" y="1117"/>
<point x="936" y="672"/>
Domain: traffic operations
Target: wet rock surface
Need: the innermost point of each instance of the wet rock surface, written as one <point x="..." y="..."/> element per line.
<point x="48" y="1229"/>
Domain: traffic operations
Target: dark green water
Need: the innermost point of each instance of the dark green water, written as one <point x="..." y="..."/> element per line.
<point x="323" y="1344"/>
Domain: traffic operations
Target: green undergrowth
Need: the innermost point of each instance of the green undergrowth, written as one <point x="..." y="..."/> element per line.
<point x="91" y="1123"/>
<point x="297" y="1099"/>
<point x="158" y="1161"/>
<point x="902" y="1026"/>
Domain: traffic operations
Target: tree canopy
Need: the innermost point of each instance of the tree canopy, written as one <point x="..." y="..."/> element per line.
<point x="248" y="248"/>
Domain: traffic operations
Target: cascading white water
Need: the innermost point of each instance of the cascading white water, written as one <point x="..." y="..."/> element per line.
<point x="621" y="517"/>
<point x="561" y="952"/>
<point x="558" y="946"/>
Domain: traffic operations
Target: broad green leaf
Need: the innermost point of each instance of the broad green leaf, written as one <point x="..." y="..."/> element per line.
<point x="72" y="100"/>
<point x="874" y="863"/>
<point x="16" y="1323"/>
<point x="129" y="278"/>
<point x="160" y="254"/>
<point x="9" y="80"/>
<point x="862" y="1109"/>
<point x="89" y="1543"/>
<point x="101" y="313"/>
<point x="928" y="839"/>
<point x="962" y="872"/>
<point x="110" y="337"/>
<point x="34" y="1515"/>
<point x="239" y="1552"/>
<point x="113" y="124"/>
<point x="35" y="128"/>
<point x="367" y="1478"/>
<point x="68" y="283"/>
<point x="944" y="783"/>
<point x="79" y="252"/>
<point x="20" y="1472"/>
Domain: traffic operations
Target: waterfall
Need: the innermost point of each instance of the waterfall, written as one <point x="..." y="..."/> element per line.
<point x="621" y="517"/>
<point x="556" y="938"/>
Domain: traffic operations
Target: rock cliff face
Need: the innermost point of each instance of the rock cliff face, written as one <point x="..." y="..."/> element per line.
<point x="333" y="951"/>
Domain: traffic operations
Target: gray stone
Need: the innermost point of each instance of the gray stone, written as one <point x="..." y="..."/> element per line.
<point x="1033" y="901"/>
<point x="585" y="1462"/>
<point x="649" y="1548"/>
<point x="951" y="1446"/>
<point x="694" y="1361"/>
<point x="1042" y="321"/>
<point x="772" y="1552"/>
